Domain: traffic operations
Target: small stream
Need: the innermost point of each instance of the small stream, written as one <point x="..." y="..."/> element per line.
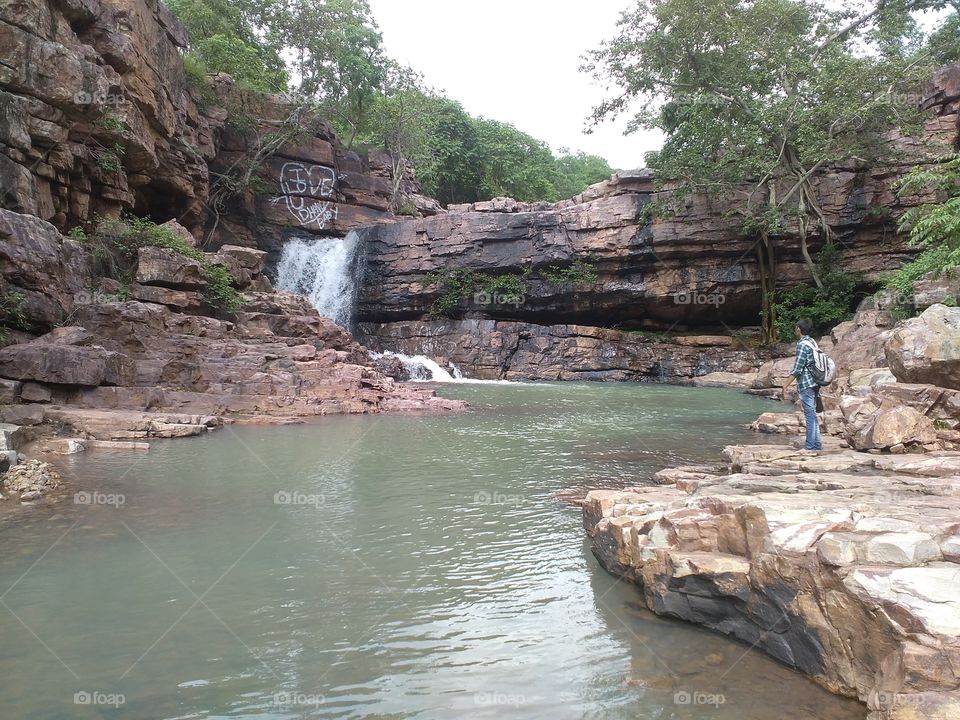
<point x="375" y="567"/>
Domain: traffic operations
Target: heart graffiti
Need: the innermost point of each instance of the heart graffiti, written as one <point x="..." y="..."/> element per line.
<point x="302" y="186"/>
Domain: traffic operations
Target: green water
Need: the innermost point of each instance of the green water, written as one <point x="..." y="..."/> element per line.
<point x="422" y="570"/>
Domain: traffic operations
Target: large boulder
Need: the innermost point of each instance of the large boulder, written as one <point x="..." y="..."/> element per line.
<point x="891" y="427"/>
<point x="64" y="364"/>
<point x="926" y="349"/>
<point x="168" y="268"/>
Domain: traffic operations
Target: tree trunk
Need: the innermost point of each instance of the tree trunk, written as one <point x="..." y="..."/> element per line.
<point x="766" y="266"/>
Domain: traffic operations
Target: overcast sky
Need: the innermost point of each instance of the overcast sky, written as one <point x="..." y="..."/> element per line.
<point x="515" y="61"/>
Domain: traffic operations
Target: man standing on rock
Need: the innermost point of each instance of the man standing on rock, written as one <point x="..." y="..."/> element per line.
<point x="807" y="387"/>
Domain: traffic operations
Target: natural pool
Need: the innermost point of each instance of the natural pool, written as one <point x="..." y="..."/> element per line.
<point x="375" y="567"/>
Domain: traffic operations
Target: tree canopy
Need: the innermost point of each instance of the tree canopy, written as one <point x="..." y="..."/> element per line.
<point x="755" y="96"/>
<point x="329" y="53"/>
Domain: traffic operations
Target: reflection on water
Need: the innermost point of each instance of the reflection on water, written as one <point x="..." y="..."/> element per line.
<point x="375" y="567"/>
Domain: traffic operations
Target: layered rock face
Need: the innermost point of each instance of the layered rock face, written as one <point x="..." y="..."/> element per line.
<point x="97" y="114"/>
<point x="691" y="271"/>
<point x="97" y="117"/>
<point x="502" y="349"/>
<point x="844" y="566"/>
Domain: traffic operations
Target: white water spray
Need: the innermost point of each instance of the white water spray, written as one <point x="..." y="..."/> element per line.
<point x="421" y="368"/>
<point x="322" y="270"/>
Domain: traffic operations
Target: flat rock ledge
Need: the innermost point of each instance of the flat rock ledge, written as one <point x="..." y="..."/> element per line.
<point x="845" y="566"/>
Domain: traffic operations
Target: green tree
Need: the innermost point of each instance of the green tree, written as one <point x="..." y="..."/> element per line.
<point x="577" y="171"/>
<point x="337" y="56"/>
<point x="944" y="43"/>
<point x="755" y="97"/>
<point x="513" y="163"/>
<point x="933" y="227"/>
<point x="223" y="39"/>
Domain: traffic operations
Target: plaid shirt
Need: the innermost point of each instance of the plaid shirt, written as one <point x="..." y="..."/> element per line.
<point x="802" y="367"/>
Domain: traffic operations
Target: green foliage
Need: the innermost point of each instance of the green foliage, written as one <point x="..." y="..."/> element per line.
<point x="116" y="244"/>
<point x="12" y="313"/>
<point x="575" y="172"/>
<point x="78" y="233"/>
<point x="944" y="43"/>
<point x="109" y="121"/>
<point x="196" y="72"/>
<point x="579" y="273"/>
<point x="743" y="90"/>
<point x="932" y="227"/>
<point x="826" y="306"/>
<point x="461" y="285"/>
<point x="110" y="159"/>
<point x="462" y="159"/>
<point x="224" y="37"/>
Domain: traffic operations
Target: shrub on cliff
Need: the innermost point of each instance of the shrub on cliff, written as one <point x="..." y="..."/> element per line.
<point x="833" y="302"/>
<point x="116" y="245"/>
<point x="934" y="228"/>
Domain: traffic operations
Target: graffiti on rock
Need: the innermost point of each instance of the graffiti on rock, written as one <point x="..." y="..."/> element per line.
<point x="303" y="189"/>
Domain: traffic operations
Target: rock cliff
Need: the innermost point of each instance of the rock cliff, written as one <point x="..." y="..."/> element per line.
<point x="686" y="271"/>
<point x="98" y="117"/>
<point x="99" y="120"/>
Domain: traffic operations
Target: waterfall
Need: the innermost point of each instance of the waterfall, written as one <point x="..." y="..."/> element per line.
<point x="420" y="368"/>
<point x="322" y="269"/>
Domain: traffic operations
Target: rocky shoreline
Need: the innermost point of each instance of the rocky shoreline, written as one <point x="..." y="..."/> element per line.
<point x="844" y="565"/>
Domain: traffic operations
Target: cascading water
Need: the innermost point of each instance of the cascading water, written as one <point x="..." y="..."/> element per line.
<point x="322" y="269"/>
<point x="420" y="368"/>
<point x="325" y="270"/>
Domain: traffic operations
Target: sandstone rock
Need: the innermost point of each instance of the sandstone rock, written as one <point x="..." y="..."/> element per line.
<point x="933" y="289"/>
<point x="926" y="349"/>
<point x="904" y="548"/>
<point x="887" y="427"/>
<point x="778" y="423"/>
<point x="12" y="437"/>
<point x="9" y="391"/>
<point x="168" y="268"/>
<point x="726" y="379"/>
<point x="180" y="299"/>
<point x="181" y="232"/>
<point x="64" y="364"/>
<point x="838" y="569"/>
<point x="861" y="382"/>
